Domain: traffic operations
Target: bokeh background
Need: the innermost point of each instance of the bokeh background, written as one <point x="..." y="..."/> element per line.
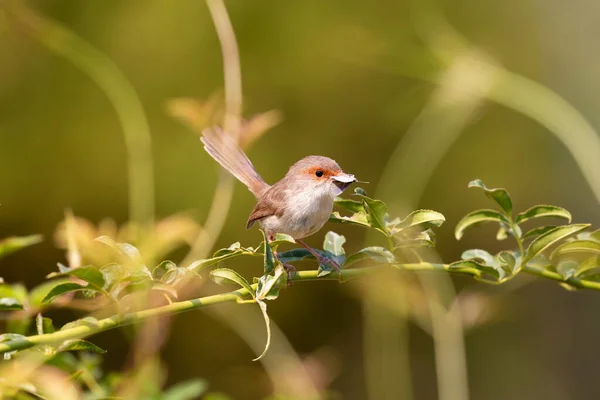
<point x="418" y="98"/>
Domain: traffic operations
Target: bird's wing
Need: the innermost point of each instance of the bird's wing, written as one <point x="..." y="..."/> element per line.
<point x="272" y="202"/>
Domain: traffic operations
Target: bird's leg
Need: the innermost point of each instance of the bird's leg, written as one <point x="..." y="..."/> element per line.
<point x="322" y="259"/>
<point x="289" y="268"/>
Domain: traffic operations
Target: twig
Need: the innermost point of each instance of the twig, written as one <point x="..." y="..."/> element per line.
<point x="301" y="276"/>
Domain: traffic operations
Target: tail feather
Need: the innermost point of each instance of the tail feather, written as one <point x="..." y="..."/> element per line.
<point x="226" y="152"/>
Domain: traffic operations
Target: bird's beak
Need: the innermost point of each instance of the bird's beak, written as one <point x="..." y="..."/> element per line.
<point x="343" y="180"/>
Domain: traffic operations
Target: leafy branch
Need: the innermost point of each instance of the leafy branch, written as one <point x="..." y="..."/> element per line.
<point x="135" y="291"/>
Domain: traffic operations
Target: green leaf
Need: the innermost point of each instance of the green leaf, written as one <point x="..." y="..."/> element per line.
<point x="17" y="291"/>
<point x="91" y="275"/>
<point x="223" y="276"/>
<point x="80" y="345"/>
<point x="477" y="217"/>
<point x="468" y="267"/>
<point x="540" y="211"/>
<point x="44" y="325"/>
<point x="263" y="309"/>
<point x="333" y="250"/>
<point x="132" y="252"/>
<point x="334" y="243"/>
<point x="518" y="233"/>
<point x="7" y="337"/>
<point x="425" y="238"/>
<point x="295" y="255"/>
<point x="360" y="191"/>
<point x="567" y="268"/>
<point x="38" y="293"/>
<point x="500" y="195"/>
<point x="538" y="231"/>
<point x="269" y="259"/>
<point x="379" y="255"/>
<point x="61" y="289"/>
<point x="126" y="251"/>
<point x="188" y="390"/>
<point x="589" y="266"/>
<point x="505" y="230"/>
<point x="376" y="213"/>
<point x="62" y="267"/>
<point x="478" y="255"/>
<point x="87" y="321"/>
<point x="502" y="233"/>
<point x="359" y="219"/>
<point x="232" y="251"/>
<point x="500" y="264"/>
<point x="507" y="261"/>
<point x="420" y="218"/>
<point x="349" y="205"/>
<point x="576" y="246"/>
<point x="324" y="270"/>
<point x="269" y="285"/>
<point x="281" y="238"/>
<point x="15" y="243"/>
<point x="161" y="269"/>
<point x="476" y="269"/>
<point x="551" y="237"/>
<point x="10" y="304"/>
<point x="173" y="275"/>
<point x="268" y="289"/>
<point x="110" y="242"/>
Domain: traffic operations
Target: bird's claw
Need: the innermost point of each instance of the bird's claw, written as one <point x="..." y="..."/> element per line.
<point x="323" y="260"/>
<point x="291" y="270"/>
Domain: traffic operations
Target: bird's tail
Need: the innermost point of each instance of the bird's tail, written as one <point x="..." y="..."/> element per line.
<point x="226" y="152"/>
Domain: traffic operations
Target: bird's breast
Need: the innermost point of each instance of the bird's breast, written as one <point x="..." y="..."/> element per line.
<point x="303" y="216"/>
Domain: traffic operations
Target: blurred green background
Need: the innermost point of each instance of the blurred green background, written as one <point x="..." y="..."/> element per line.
<point x="350" y="79"/>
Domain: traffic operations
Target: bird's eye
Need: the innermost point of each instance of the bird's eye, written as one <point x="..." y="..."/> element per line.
<point x="319" y="173"/>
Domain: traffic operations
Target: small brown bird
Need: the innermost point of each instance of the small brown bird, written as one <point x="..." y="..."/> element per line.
<point x="298" y="205"/>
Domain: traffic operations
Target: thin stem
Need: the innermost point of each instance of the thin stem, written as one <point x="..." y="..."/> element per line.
<point x="231" y="66"/>
<point x="519" y="241"/>
<point x="115" y="321"/>
<point x="300" y="276"/>
<point x="544" y="272"/>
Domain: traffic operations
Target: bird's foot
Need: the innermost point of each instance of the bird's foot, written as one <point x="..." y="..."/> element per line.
<point x="324" y="260"/>
<point x="291" y="270"/>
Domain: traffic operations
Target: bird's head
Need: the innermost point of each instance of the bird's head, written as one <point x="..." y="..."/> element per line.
<point x="321" y="176"/>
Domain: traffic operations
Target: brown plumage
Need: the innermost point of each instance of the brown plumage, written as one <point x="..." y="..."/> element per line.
<point x="299" y="204"/>
<point x="267" y="205"/>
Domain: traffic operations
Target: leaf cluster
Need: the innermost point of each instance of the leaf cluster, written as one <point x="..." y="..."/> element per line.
<point x="567" y="253"/>
<point x="567" y="241"/>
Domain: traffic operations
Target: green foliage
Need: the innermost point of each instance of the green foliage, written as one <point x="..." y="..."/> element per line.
<point x="414" y="230"/>
<point x="134" y="291"/>
<point x="506" y="264"/>
<point x="16" y="243"/>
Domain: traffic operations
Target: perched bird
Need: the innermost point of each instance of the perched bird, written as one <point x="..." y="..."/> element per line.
<point x="298" y="205"/>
